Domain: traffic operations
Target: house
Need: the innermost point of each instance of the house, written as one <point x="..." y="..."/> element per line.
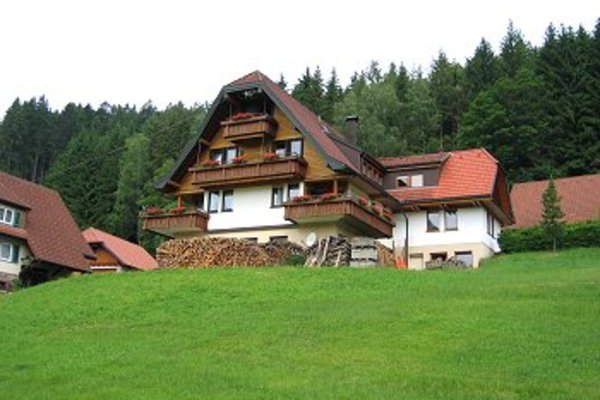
<point x="579" y="200"/>
<point x="114" y="254"/>
<point x="38" y="232"/>
<point x="264" y="167"/>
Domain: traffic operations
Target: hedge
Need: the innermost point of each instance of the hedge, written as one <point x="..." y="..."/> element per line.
<point x="585" y="234"/>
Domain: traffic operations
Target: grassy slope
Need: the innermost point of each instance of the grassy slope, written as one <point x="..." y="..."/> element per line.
<point x="523" y="326"/>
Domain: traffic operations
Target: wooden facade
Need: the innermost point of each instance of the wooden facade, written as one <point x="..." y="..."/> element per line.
<point x="346" y="209"/>
<point x="170" y="224"/>
<point x="258" y="127"/>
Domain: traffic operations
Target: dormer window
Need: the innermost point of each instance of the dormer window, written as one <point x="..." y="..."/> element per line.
<point x="7" y="215"/>
<point x="409" y="181"/>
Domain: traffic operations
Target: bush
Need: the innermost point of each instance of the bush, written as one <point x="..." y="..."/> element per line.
<point x="584" y="234"/>
<point x="294" y="260"/>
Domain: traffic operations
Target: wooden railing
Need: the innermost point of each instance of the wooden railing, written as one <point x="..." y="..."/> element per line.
<point x="169" y="224"/>
<point x="249" y="128"/>
<point x="361" y="216"/>
<point x="263" y="171"/>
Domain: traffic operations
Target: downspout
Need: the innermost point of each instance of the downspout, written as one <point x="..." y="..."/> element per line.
<point x="405" y="239"/>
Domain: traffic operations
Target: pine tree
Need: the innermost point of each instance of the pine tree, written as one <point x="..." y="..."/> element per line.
<point x="552" y="214"/>
<point x="333" y="95"/>
<point x="481" y="70"/>
<point x="282" y="82"/>
<point x="309" y="91"/>
<point x="515" y="53"/>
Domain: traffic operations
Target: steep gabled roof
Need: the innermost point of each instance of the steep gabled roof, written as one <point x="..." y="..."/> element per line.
<point x="50" y="231"/>
<point x="580" y="199"/>
<point x="327" y="141"/>
<point x="465" y="174"/>
<point x="128" y="254"/>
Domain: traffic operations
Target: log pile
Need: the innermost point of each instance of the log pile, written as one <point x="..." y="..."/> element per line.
<point x="452" y="262"/>
<point x="385" y="255"/>
<point x="333" y="251"/>
<point x="223" y="252"/>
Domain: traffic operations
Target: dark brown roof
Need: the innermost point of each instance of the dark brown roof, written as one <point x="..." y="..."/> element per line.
<point x="580" y="199"/>
<point x="466" y="174"/>
<point x="51" y="233"/>
<point x="128" y="254"/>
<point x="416" y="160"/>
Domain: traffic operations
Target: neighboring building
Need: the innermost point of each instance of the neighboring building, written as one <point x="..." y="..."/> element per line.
<point x="37" y="231"/>
<point x="265" y="167"/>
<point x="114" y="254"/>
<point x="579" y="200"/>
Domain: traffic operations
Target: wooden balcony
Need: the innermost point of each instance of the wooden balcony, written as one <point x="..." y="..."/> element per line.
<point x="346" y="210"/>
<point x="255" y="172"/>
<point x="257" y="127"/>
<point x="170" y="224"/>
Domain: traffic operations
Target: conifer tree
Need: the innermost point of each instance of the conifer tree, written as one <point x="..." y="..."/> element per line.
<point x="552" y="214"/>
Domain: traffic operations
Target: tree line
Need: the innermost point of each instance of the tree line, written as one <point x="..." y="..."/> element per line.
<point x="536" y="109"/>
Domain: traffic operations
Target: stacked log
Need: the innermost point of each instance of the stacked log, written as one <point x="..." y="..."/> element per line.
<point x="280" y="250"/>
<point x="330" y="251"/>
<point x="385" y="255"/>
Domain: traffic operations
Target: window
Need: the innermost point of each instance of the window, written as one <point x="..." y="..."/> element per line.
<point x="293" y="191"/>
<point x="6" y="252"/>
<point x="252" y="239"/>
<point x="450" y="220"/>
<point x="286" y="148"/>
<point x="402" y="181"/>
<point x="439" y="256"/>
<point x="465" y="256"/>
<point x="225" y="155"/>
<point x="278" y="238"/>
<point x="277" y="196"/>
<point x="433" y="221"/>
<point x="490" y="224"/>
<point x="7" y="215"/>
<point x="200" y="202"/>
<point x="227" y="201"/>
<point x="213" y="202"/>
<point x="416" y="180"/>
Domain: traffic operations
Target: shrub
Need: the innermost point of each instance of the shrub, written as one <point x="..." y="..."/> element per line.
<point x="294" y="260"/>
<point x="584" y="234"/>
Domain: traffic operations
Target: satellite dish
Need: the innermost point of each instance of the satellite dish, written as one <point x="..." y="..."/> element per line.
<point x="310" y="239"/>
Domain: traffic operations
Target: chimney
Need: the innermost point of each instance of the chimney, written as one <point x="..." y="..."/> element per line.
<point x="351" y="129"/>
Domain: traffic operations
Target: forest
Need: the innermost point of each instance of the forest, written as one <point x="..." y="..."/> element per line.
<point x="537" y="109"/>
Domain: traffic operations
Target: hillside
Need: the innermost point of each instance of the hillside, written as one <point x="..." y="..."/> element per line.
<point x="522" y="326"/>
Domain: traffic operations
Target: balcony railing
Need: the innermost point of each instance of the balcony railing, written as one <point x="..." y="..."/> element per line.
<point x="259" y="126"/>
<point x="254" y="172"/>
<point x="171" y="224"/>
<point x="363" y="218"/>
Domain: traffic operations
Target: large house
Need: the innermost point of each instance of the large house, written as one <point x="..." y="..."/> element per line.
<point x="114" y="254"/>
<point x="37" y="231"/>
<point x="264" y="167"/>
<point x="579" y="200"/>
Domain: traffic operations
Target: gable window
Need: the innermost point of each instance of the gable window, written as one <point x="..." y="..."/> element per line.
<point x="490" y="225"/>
<point x="409" y="181"/>
<point x="6" y="252"/>
<point x="225" y="155"/>
<point x="293" y="191"/>
<point x="213" y="202"/>
<point x="403" y="181"/>
<point x="277" y="196"/>
<point x="450" y="220"/>
<point x="433" y="221"/>
<point x="7" y="215"/>
<point x="227" y="201"/>
<point x="287" y="148"/>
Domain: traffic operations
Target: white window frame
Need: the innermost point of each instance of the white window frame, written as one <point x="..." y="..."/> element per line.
<point x="4" y="219"/>
<point x="10" y="252"/>
<point x="416" y="180"/>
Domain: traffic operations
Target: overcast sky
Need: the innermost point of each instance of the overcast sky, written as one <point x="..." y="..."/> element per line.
<point x="132" y="51"/>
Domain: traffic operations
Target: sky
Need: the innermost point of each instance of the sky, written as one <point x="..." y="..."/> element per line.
<point x="129" y="52"/>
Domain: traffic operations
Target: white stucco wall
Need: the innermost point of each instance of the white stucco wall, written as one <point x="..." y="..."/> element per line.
<point x="251" y="208"/>
<point x="15" y="268"/>
<point x="472" y="228"/>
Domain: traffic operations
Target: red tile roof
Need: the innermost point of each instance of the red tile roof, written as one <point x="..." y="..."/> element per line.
<point x="421" y="159"/>
<point x="127" y="253"/>
<point x="51" y="233"/>
<point x="580" y="199"/>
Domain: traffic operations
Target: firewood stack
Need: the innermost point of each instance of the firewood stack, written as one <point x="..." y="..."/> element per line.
<point x="223" y="252"/>
<point x="385" y="255"/>
<point x="331" y="251"/>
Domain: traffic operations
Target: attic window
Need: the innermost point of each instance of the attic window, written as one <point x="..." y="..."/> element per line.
<point x="409" y="181"/>
<point x="7" y="215"/>
<point x="403" y="181"/>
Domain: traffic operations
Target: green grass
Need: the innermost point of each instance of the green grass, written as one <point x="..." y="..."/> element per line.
<point x="523" y="326"/>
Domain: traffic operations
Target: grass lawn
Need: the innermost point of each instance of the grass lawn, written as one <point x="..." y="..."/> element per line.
<point x="523" y="326"/>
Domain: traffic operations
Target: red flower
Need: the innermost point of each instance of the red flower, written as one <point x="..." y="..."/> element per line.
<point x="178" y="210"/>
<point x="154" y="210"/>
<point x="238" y="160"/>
<point x="363" y="201"/>
<point x="298" y="199"/>
<point x="270" y="156"/>
<point x="329" y="196"/>
<point x="242" y="115"/>
<point x="211" y="163"/>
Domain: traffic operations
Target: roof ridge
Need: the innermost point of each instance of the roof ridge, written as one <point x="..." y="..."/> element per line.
<point x="563" y="178"/>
